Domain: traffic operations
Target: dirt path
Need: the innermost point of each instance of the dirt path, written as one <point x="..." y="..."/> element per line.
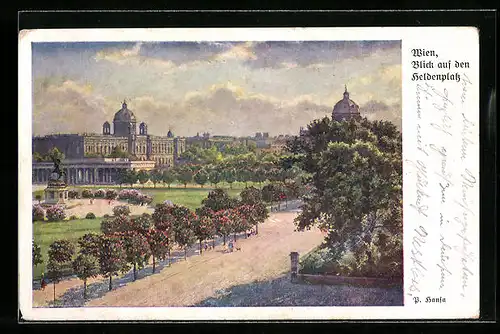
<point x="185" y="283"/>
<point x="100" y="207"/>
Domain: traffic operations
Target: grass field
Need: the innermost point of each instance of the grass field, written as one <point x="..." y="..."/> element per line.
<point x="45" y="233"/>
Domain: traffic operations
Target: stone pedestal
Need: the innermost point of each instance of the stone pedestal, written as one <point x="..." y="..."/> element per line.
<point x="56" y="192"/>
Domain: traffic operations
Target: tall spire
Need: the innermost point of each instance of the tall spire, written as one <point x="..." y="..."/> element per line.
<point x="345" y="88"/>
<point x="346" y="93"/>
<point x="124" y="104"/>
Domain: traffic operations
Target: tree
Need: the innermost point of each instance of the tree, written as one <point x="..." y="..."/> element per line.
<point x="229" y="176"/>
<point x="185" y="176"/>
<point x="36" y="253"/>
<point x="218" y="199"/>
<point x="131" y="177"/>
<point x="201" y="178"/>
<point x="222" y="224"/>
<point x="85" y="266"/>
<point x="156" y="177"/>
<point x="121" y="210"/>
<point x="118" y="153"/>
<point x="115" y="224"/>
<point x="54" y="153"/>
<point x="112" y="257"/>
<point x="159" y="245"/>
<point x="164" y="221"/>
<point x="169" y="177"/>
<point x="215" y="177"/>
<point x="121" y="177"/>
<point x="60" y="255"/>
<point x="203" y="227"/>
<point x="355" y="179"/>
<point x="136" y="249"/>
<point x="38" y="197"/>
<point x="237" y="221"/>
<point x="184" y="237"/>
<point x="90" y="244"/>
<point x="143" y="177"/>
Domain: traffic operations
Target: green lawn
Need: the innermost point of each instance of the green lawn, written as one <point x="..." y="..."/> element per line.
<point x="189" y="197"/>
<point x="45" y="233"/>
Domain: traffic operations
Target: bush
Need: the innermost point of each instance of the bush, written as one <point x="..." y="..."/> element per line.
<point x="38" y="213"/>
<point x="315" y="262"/>
<point x="90" y="215"/>
<point x="55" y="213"/>
<point x="87" y="193"/>
<point x="111" y="194"/>
<point x="121" y="210"/>
<point x="100" y="193"/>
<point x="73" y="217"/>
<point x="72" y="194"/>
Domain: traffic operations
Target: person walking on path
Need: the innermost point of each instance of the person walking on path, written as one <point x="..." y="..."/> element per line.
<point x="230" y="246"/>
<point x="43" y="283"/>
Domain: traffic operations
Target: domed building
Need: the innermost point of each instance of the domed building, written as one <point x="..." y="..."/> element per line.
<point x="90" y="156"/>
<point x="345" y="108"/>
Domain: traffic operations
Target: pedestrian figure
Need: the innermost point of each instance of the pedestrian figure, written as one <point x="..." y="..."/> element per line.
<point x="206" y="247"/>
<point x="231" y="246"/>
<point x="43" y="283"/>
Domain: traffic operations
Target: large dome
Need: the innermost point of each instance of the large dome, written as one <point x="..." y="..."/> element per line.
<point x="124" y="114"/>
<point x="345" y="108"/>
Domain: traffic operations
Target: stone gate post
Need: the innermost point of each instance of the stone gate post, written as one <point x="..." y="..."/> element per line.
<point x="294" y="258"/>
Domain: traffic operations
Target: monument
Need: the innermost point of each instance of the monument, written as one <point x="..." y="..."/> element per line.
<point x="57" y="189"/>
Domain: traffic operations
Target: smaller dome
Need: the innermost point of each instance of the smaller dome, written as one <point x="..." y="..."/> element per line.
<point x="170" y="134"/>
<point x="106" y="124"/>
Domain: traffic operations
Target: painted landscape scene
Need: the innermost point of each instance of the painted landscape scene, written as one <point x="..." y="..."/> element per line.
<point x="216" y="174"/>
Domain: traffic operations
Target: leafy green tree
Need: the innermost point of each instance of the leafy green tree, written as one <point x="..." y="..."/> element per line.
<point x="169" y="177"/>
<point x="229" y="176"/>
<point x="90" y="244"/>
<point x="218" y="199"/>
<point x="215" y="177"/>
<point x="121" y="177"/>
<point x="36" y="253"/>
<point x="37" y="157"/>
<point x="55" y="153"/>
<point x="131" y="177"/>
<point x="143" y="177"/>
<point x="156" y="176"/>
<point x="85" y="266"/>
<point x="118" y="153"/>
<point x="185" y="176"/>
<point x="201" y="178"/>
<point x="60" y="255"/>
<point x="355" y="178"/>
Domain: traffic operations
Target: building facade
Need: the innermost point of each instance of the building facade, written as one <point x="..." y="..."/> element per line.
<point x="140" y="145"/>
<point x="89" y="170"/>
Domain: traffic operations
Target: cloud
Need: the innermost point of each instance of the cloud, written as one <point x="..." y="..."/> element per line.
<point x="131" y="56"/>
<point x="378" y="110"/>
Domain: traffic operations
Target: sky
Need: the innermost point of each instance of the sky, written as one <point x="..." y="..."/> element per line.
<point x="224" y="88"/>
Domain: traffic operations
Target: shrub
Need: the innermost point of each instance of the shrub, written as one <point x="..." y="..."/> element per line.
<point x="100" y="193"/>
<point x="38" y="213"/>
<point x="73" y="194"/>
<point x="111" y="194"/>
<point x="73" y="217"/>
<point x="55" y="213"/>
<point x="121" y="210"/>
<point x="90" y="215"/>
<point x="87" y="193"/>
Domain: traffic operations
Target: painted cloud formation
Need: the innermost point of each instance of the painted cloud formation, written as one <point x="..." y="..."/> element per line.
<point x="231" y="88"/>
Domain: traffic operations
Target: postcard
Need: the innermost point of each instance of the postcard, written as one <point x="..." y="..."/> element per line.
<point x="249" y="174"/>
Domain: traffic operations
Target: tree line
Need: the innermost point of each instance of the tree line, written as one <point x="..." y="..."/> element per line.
<point x="129" y="242"/>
